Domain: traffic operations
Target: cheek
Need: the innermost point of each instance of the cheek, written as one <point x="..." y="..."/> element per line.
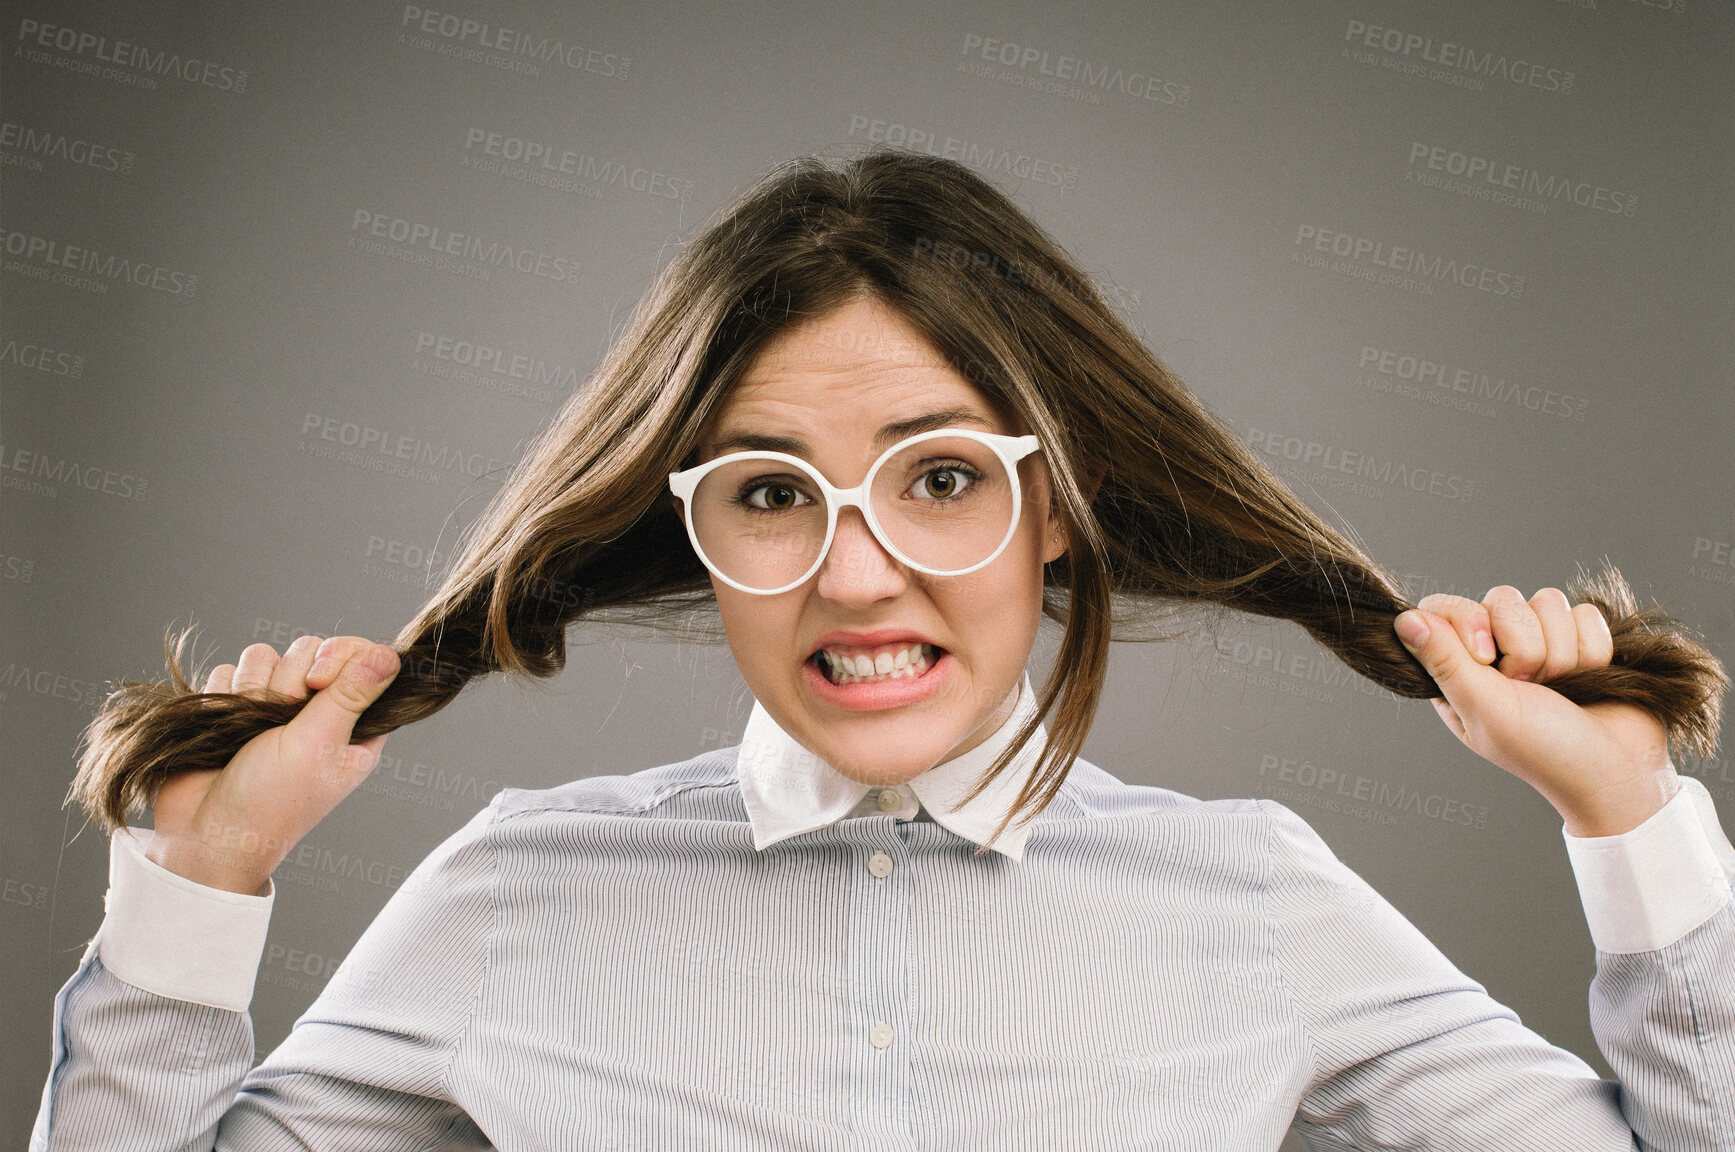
<point x="1030" y="547"/>
<point x="757" y="627"/>
<point x="996" y="599"/>
<point x="738" y="619"/>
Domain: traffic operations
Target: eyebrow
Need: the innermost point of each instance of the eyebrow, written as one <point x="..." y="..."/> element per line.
<point x="887" y="435"/>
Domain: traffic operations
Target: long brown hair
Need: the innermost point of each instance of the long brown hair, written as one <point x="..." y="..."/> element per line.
<point x="1181" y="513"/>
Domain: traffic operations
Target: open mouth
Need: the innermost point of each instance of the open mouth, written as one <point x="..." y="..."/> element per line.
<point x="891" y="662"/>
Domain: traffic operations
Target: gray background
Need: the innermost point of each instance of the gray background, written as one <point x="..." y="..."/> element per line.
<point x="166" y="453"/>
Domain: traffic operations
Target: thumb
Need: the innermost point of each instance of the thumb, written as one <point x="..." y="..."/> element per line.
<point x="331" y="713"/>
<point x="1433" y="641"/>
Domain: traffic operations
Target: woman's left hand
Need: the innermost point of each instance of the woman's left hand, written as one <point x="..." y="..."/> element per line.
<point x="1605" y="767"/>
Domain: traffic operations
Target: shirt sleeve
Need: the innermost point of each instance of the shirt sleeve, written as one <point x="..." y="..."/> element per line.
<point x="1408" y="1052"/>
<point x="175" y="937"/>
<point x="1647" y="887"/>
<point x="159" y="1057"/>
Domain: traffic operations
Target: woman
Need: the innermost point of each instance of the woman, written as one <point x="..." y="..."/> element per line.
<point x="883" y="423"/>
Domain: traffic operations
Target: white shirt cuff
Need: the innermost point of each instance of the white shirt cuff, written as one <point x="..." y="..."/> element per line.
<point x="176" y="937"/>
<point x="1649" y="886"/>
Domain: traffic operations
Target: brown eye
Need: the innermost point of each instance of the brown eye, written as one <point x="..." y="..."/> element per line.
<point x="778" y="497"/>
<point x="771" y="495"/>
<point x="944" y="483"/>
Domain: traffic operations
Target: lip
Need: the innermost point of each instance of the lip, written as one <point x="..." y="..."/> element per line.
<point x="871" y="639"/>
<point x="878" y="695"/>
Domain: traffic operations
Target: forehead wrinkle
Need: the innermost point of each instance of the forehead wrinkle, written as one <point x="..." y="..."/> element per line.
<point x="864" y="358"/>
<point x="761" y="416"/>
<point x="841" y="370"/>
<point x="889" y="433"/>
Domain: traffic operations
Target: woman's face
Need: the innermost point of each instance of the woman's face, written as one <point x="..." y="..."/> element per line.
<point x="832" y="384"/>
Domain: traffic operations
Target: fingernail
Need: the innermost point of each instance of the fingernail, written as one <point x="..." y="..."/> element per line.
<point x="1484" y="645"/>
<point x="1412" y="628"/>
<point x="381" y="660"/>
<point x="322" y="657"/>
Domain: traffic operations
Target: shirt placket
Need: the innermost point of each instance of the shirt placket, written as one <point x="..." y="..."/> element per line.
<point x="879" y="964"/>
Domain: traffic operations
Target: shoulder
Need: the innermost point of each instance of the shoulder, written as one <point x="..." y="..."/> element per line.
<point x="705" y="780"/>
<point x="1234" y="834"/>
<point x="1099" y="795"/>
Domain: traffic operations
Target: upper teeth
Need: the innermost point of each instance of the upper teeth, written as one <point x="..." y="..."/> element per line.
<point x="911" y="660"/>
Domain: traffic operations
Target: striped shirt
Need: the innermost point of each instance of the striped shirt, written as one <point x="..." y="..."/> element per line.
<point x="747" y="950"/>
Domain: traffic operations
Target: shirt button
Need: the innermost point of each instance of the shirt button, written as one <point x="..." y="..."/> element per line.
<point x="880" y="865"/>
<point x="890" y="801"/>
<point x="881" y="1036"/>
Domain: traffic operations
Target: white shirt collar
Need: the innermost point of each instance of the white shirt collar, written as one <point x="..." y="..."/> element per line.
<point x="789" y="790"/>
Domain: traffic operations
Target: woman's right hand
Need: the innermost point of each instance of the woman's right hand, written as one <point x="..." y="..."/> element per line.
<point x="231" y="827"/>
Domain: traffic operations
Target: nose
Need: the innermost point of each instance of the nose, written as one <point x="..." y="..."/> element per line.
<point x="858" y="569"/>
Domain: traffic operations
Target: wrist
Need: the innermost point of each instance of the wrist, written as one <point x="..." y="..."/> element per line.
<point x="226" y="868"/>
<point x="1620" y="808"/>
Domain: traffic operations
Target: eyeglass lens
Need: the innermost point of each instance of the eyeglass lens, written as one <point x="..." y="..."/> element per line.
<point x="945" y="503"/>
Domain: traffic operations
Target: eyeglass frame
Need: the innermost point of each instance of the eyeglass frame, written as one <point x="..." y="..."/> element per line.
<point x="1009" y="449"/>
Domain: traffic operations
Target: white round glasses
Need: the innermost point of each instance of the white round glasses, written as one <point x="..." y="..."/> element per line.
<point x="945" y="503"/>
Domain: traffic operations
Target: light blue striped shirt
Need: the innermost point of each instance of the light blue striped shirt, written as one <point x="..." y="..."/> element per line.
<point x="747" y="950"/>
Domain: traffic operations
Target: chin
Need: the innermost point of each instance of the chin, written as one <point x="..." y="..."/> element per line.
<point x="868" y="764"/>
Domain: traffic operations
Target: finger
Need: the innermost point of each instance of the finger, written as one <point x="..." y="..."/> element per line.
<point x="254" y="670"/>
<point x="290" y="675"/>
<point x="1517" y="633"/>
<point x="221" y="679"/>
<point x="1461" y="680"/>
<point x="330" y="715"/>
<point x="1469" y="619"/>
<point x="1559" y="633"/>
<point x="1450" y="715"/>
<point x="1596" y="647"/>
<point x="330" y="656"/>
